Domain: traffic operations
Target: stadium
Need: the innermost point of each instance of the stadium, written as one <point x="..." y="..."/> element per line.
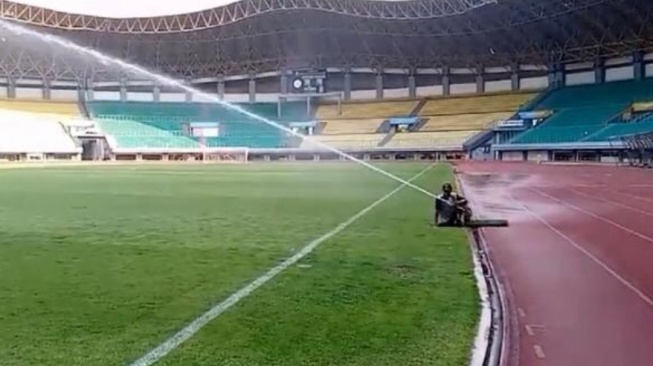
<point x="252" y="182"/>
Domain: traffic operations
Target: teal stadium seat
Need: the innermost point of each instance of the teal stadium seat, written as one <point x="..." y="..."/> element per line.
<point x="582" y="113"/>
<point x="614" y="130"/>
<point x="139" y="124"/>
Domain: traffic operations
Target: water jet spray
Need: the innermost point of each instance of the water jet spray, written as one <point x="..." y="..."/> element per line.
<point x="169" y="81"/>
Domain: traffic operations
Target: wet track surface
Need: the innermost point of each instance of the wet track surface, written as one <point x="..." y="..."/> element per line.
<point x="576" y="262"/>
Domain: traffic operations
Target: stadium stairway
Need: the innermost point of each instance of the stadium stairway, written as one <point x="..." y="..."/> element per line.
<point x="83" y="110"/>
<point x="536" y="99"/>
<point x="419" y="125"/>
<point x="387" y="138"/>
<point x="384" y="127"/>
<point x="479" y="139"/>
<point x="319" y="127"/>
<point x="418" y="107"/>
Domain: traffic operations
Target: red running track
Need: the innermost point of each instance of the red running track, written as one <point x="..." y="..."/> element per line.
<point x="576" y="263"/>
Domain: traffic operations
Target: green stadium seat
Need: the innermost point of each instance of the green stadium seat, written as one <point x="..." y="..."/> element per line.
<point x="582" y="113"/>
<point x="166" y="120"/>
<point x="622" y="129"/>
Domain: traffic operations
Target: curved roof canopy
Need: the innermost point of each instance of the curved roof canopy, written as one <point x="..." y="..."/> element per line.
<point x="130" y="8"/>
<point x="127" y="8"/>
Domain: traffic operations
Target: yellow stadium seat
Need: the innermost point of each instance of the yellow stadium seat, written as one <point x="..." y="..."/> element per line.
<point x="366" y="110"/>
<point x="357" y="141"/>
<point x="351" y="126"/>
<point x="42" y="107"/>
<point x="451" y="139"/>
<point x="475" y="104"/>
<point x="463" y="122"/>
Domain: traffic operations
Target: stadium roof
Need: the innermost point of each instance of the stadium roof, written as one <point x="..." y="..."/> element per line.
<point x="255" y="36"/>
<point x="131" y="8"/>
<point x="127" y="8"/>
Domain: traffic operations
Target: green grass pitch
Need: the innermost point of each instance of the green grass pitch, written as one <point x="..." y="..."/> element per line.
<point x="98" y="265"/>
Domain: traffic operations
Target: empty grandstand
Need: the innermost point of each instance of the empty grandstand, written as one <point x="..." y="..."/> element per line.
<point x="586" y="117"/>
<point x="34" y="130"/>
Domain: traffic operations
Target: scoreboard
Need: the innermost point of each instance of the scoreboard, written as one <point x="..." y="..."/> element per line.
<point x="308" y="81"/>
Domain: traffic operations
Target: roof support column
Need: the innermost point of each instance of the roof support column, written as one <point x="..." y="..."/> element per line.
<point x="252" y="88"/>
<point x="81" y="90"/>
<point x="156" y="93"/>
<point x="599" y="71"/>
<point x="283" y="82"/>
<point x="123" y="89"/>
<point x="412" y="86"/>
<point x="347" y="85"/>
<point x="47" y="89"/>
<point x="11" y="87"/>
<point x="638" y="66"/>
<point x="515" y="83"/>
<point x="87" y="88"/>
<point x="221" y="86"/>
<point x="480" y="81"/>
<point x="379" y="83"/>
<point x="189" y="95"/>
<point x="446" y="83"/>
<point x="556" y="76"/>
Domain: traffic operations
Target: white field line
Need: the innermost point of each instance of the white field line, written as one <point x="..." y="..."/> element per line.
<point x="193" y="327"/>
<point x="482" y="339"/>
<point x="481" y="348"/>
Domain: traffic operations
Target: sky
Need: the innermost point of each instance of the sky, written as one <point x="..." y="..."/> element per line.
<point x="127" y="8"/>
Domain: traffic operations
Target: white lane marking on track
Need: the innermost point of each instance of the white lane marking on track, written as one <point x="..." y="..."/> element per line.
<point x="634" y="196"/>
<point x="590" y="213"/>
<point x="200" y="322"/>
<point x="591" y="256"/>
<point x="613" y="203"/>
<point x="530" y="328"/>
<point x="539" y="352"/>
<point x="521" y="312"/>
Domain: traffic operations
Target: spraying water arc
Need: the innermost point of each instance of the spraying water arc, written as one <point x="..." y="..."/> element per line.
<point x="165" y="80"/>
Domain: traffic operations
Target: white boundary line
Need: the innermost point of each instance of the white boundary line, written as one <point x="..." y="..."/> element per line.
<point x="481" y="341"/>
<point x="480" y="347"/>
<point x="192" y="328"/>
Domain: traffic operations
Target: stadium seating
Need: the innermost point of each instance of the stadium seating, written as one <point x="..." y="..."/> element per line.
<point x="620" y="129"/>
<point x="619" y="92"/>
<point x="357" y="141"/>
<point x="132" y="134"/>
<point x="450" y="139"/>
<point x="41" y="107"/>
<point x="237" y="128"/>
<point x="556" y="135"/>
<point x="583" y="112"/>
<point x="475" y="104"/>
<point x="463" y="122"/>
<point x="22" y="132"/>
<point x="366" y="110"/>
<point x="351" y="126"/>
